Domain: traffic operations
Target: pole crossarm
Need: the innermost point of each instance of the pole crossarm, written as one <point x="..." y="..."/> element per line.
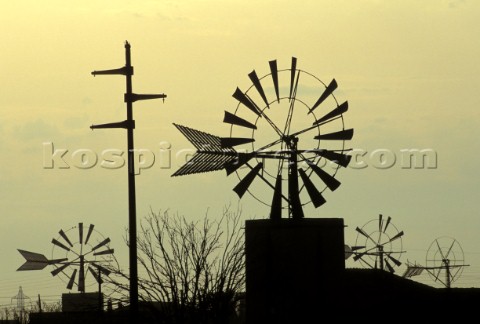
<point x="129" y="124"/>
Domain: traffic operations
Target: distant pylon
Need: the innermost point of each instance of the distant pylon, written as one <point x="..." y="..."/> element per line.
<point x="20" y="297"/>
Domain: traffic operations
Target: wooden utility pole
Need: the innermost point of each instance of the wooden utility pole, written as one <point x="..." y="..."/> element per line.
<point x="129" y="125"/>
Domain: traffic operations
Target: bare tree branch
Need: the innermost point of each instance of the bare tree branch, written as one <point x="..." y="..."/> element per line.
<point x="194" y="269"/>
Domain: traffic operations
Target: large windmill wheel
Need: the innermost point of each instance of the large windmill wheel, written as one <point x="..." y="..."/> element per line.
<point x="378" y="244"/>
<point x="81" y="253"/>
<point x="282" y="133"/>
<point x="445" y="260"/>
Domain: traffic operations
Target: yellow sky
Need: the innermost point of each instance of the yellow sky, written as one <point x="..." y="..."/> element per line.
<point x="409" y="70"/>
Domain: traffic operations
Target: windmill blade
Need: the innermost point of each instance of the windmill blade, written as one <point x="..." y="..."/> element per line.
<point x="293" y="71"/>
<point x="276" y="210"/>
<point x="57" y="243"/>
<point x="396" y="261"/>
<point x="228" y="142"/>
<point x="230" y="118"/>
<point x="440" y="249"/>
<point x="357" y="247"/>
<point x="80" y="233"/>
<point x="343" y="135"/>
<point x="72" y="280"/>
<point x="64" y="236"/>
<point x="95" y="275"/>
<point x="103" y="270"/>
<point x="358" y="256"/>
<point x="243" y="185"/>
<point x="329" y="180"/>
<point x="315" y="195"/>
<point x="389" y="266"/>
<point x="60" y="269"/>
<point x="437" y="275"/>
<point x="399" y="235"/>
<point x="90" y="230"/>
<point x="328" y="91"/>
<point x="386" y="225"/>
<point x="361" y="231"/>
<point x="338" y="158"/>
<point x="256" y="82"/>
<point x="106" y="252"/>
<point x="103" y="243"/>
<point x="204" y="162"/>
<point x="380" y="223"/>
<point x="456" y="272"/>
<point x="274" y="72"/>
<point x="334" y="113"/>
<point x="246" y="101"/>
<point x="449" y="249"/>
<point x="238" y="161"/>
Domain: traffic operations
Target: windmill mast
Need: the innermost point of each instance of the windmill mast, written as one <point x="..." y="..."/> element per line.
<point x="447" y="273"/>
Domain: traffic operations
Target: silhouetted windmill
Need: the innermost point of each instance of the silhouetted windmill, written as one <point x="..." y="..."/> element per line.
<point x="280" y="140"/>
<point x="444" y="262"/>
<point x="75" y="254"/>
<point x="378" y="244"/>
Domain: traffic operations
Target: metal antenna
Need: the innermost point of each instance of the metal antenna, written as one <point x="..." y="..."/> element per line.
<point x="129" y="124"/>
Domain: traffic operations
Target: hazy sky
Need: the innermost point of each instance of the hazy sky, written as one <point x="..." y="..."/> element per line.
<point x="409" y="70"/>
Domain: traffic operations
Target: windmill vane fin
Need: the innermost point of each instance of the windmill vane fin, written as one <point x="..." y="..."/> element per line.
<point x="202" y="162"/>
<point x="203" y="141"/>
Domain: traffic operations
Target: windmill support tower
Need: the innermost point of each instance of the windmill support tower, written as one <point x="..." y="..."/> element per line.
<point x="293" y="267"/>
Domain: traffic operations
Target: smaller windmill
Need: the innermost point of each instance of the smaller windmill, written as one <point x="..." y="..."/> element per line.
<point x="444" y="262"/>
<point x="378" y="245"/>
<point x="87" y="254"/>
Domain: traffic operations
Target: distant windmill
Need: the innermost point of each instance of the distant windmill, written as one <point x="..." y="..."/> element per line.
<point x="444" y="262"/>
<point x="74" y="259"/>
<point x="378" y="245"/>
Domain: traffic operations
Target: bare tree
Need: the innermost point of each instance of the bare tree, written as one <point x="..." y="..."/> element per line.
<point x="194" y="270"/>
